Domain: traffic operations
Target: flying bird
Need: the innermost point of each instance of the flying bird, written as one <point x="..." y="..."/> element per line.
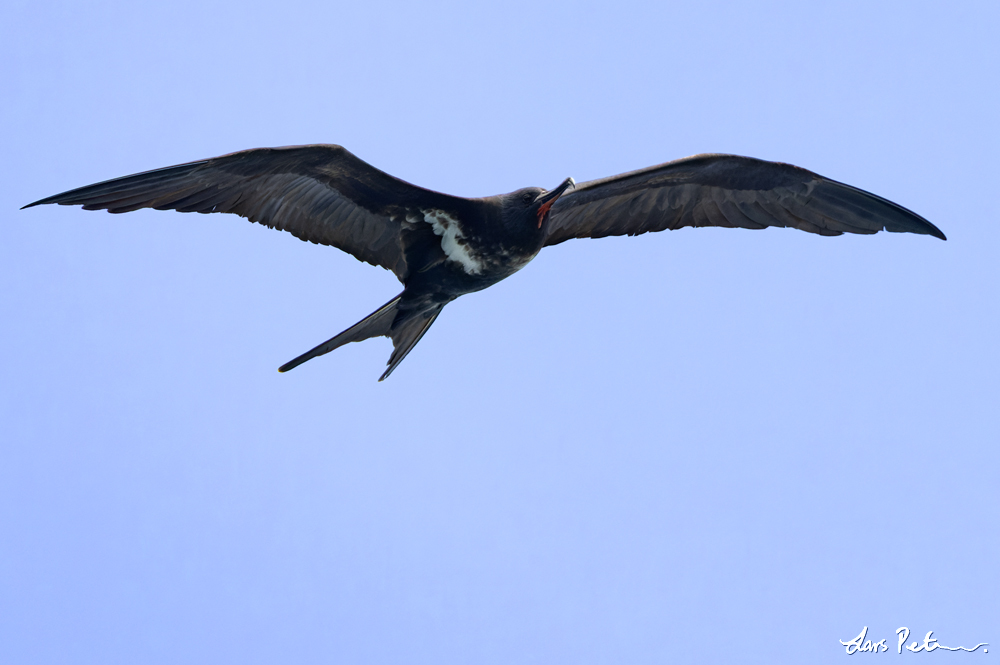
<point x="441" y="246"/>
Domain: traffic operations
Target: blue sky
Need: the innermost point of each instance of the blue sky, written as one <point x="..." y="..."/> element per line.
<point x="709" y="445"/>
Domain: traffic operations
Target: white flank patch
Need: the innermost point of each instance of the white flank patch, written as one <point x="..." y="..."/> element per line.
<point x="452" y="241"/>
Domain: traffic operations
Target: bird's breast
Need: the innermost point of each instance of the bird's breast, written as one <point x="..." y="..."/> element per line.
<point x="454" y="244"/>
<point x="477" y="252"/>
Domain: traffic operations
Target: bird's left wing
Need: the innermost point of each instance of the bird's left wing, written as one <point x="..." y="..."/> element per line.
<point x="724" y="190"/>
<point x="320" y="193"/>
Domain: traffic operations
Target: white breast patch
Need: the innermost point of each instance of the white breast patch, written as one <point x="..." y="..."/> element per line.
<point x="452" y="241"/>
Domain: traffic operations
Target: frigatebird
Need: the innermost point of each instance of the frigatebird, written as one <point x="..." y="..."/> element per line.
<point x="441" y="246"/>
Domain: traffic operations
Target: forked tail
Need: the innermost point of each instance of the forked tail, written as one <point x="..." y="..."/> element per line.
<point x="405" y="334"/>
<point x="376" y="324"/>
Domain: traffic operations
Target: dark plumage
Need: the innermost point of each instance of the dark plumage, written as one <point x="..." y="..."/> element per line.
<point x="441" y="247"/>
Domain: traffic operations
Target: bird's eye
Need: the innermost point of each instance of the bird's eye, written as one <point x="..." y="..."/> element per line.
<point x="526" y="198"/>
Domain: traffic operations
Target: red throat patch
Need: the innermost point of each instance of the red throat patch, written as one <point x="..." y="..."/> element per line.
<point x="544" y="210"/>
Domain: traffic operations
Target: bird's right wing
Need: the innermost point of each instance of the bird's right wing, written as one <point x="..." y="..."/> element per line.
<point x="319" y="193"/>
<point x="724" y="190"/>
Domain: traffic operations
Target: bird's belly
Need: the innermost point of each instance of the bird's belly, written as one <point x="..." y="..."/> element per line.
<point x="450" y="279"/>
<point x="490" y="263"/>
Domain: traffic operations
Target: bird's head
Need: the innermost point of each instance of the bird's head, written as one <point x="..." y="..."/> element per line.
<point x="531" y="205"/>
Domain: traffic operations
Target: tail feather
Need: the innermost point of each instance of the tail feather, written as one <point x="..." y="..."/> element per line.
<point x="406" y="336"/>
<point x="377" y="324"/>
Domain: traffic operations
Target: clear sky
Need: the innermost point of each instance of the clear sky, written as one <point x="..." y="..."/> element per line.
<point x="708" y="445"/>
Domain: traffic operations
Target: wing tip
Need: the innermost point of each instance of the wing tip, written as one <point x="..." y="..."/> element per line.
<point x="920" y="225"/>
<point x="37" y="203"/>
<point x="906" y="221"/>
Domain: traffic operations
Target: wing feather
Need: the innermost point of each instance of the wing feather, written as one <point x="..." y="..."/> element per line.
<point x="728" y="191"/>
<point x="319" y="193"/>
